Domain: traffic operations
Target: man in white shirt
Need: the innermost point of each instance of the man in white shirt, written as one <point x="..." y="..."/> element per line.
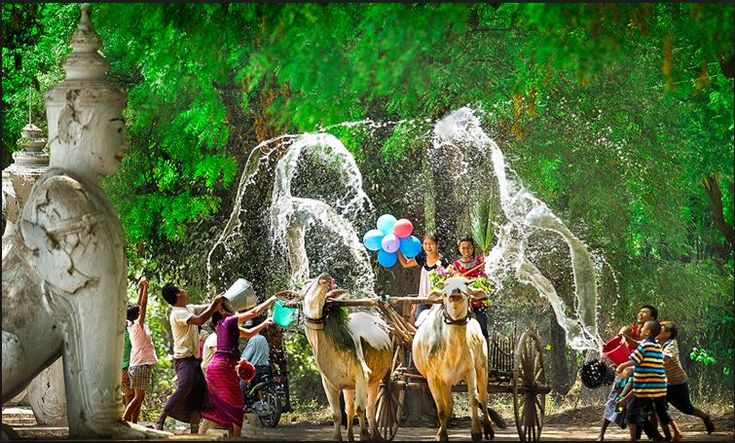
<point x="190" y="396"/>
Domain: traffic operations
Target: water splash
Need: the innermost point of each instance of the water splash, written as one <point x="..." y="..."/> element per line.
<point x="460" y="137"/>
<point x="330" y="215"/>
<point x="301" y="223"/>
<point x="258" y="155"/>
<point x="298" y="223"/>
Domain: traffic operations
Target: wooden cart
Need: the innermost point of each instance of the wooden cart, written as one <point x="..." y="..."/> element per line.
<point x="516" y="370"/>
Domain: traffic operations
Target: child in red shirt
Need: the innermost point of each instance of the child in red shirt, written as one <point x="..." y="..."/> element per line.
<point x="472" y="266"/>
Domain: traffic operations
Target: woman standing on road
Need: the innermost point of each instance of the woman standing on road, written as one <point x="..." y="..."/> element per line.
<point x="222" y="381"/>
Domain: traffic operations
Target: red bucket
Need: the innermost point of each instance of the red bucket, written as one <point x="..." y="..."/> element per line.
<point x="616" y="350"/>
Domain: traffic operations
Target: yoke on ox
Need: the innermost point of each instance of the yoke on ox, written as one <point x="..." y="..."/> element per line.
<point x="517" y="366"/>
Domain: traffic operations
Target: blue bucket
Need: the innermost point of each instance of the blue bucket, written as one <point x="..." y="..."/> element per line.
<point x="283" y="316"/>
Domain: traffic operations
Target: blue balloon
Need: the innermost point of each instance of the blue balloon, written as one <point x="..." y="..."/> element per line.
<point x="386" y="223"/>
<point x="387" y="259"/>
<point x="410" y="246"/>
<point x="372" y="239"/>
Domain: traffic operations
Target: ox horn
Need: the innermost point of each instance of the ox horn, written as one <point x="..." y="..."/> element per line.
<point x="435" y="294"/>
<point x="336" y="293"/>
<point x="287" y="295"/>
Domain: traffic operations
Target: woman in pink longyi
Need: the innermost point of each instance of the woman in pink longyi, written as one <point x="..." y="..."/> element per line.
<point x="227" y="403"/>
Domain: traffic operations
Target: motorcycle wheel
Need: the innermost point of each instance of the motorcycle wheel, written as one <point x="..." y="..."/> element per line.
<point x="273" y="405"/>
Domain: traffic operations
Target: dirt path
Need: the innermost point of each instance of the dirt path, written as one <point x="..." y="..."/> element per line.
<point x="324" y="433"/>
<point x="573" y="425"/>
<point x="550" y="433"/>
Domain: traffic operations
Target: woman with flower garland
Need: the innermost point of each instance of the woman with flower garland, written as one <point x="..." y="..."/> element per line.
<point x="472" y="266"/>
<point x="429" y="259"/>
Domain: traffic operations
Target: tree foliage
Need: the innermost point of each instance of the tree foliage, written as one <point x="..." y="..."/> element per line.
<point x="619" y="116"/>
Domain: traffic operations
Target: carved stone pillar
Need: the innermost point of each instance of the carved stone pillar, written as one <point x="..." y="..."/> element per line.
<point x="18" y="178"/>
<point x="45" y="394"/>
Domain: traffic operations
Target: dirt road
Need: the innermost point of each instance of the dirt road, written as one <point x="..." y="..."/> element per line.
<point x="550" y="433"/>
<point x="324" y="433"/>
<point x="577" y="425"/>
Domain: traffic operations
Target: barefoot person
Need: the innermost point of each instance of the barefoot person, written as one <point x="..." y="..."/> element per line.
<point x="190" y="396"/>
<point x="677" y="392"/>
<point x="612" y="414"/>
<point x="631" y="333"/>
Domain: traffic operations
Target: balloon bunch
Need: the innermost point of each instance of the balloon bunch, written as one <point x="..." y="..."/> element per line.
<point x="391" y="236"/>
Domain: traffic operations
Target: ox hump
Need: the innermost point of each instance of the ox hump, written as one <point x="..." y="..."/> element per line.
<point x="371" y="328"/>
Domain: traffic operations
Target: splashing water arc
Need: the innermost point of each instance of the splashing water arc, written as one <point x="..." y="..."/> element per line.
<point x="291" y="216"/>
<point x="460" y="134"/>
<point x="464" y="150"/>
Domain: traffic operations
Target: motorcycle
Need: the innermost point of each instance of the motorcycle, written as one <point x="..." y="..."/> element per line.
<point x="270" y="398"/>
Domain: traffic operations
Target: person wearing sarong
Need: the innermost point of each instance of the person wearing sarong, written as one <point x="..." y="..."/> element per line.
<point x="227" y="404"/>
<point x="190" y="396"/>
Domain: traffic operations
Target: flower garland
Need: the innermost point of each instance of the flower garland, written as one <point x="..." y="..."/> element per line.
<point x="438" y="276"/>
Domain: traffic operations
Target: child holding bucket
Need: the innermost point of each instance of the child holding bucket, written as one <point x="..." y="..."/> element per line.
<point x="617" y="351"/>
<point x="631" y="333"/>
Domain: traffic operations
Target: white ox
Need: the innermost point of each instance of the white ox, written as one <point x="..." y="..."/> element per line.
<point x="353" y="356"/>
<point x="449" y="347"/>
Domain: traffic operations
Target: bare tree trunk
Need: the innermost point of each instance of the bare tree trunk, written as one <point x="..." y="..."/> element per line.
<point x="712" y="188"/>
<point x="561" y="379"/>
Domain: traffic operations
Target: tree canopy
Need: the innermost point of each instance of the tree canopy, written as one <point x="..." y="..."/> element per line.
<point x="619" y="116"/>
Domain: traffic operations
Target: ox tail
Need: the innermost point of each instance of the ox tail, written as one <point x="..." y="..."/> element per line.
<point x="361" y="358"/>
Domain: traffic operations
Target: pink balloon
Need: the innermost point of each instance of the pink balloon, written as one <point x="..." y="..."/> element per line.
<point x="390" y="243"/>
<point x="403" y="228"/>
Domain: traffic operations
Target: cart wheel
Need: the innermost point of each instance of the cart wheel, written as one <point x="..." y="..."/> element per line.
<point x="389" y="409"/>
<point x="390" y="401"/>
<point x="529" y="403"/>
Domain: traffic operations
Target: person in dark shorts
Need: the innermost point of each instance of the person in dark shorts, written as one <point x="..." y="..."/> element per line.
<point x="677" y="391"/>
<point x="649" y="383"/>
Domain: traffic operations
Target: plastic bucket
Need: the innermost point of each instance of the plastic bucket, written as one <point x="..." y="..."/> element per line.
<point x="240" y="296"/>
<point x="283" y="316"/>
<point x="616" y="350"/>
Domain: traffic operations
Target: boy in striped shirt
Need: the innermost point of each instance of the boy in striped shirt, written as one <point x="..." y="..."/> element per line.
<point x="649" y="382"/>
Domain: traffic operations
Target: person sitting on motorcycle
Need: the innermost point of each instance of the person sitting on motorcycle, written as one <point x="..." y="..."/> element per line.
<point x="257" y="352"/>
